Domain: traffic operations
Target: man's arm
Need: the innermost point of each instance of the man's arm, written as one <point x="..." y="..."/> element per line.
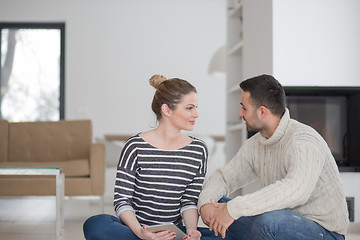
<point x="235" y="174"/>
<point x="292" y="190"/>
<point x="217" y="217"/>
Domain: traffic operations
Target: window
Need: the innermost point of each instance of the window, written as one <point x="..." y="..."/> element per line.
<point x="32" y="71"/>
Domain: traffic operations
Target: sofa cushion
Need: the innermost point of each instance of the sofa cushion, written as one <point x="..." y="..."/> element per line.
<point x="49" y="141"/>
<point x="43" y="186"/>
<point x="72" y="168"/>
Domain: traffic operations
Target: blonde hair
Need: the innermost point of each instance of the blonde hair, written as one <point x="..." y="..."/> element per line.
<point x="156" y="80"/>
<point x="169" y="92"/>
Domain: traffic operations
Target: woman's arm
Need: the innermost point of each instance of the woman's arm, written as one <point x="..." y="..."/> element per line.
<point x="125" y="177"/>
<point x="128" y="218"/>
<point x="190" y="197"/>
<point x="191" y="218"/>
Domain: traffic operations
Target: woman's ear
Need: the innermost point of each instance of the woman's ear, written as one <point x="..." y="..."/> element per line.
<point x="165" y="110"/>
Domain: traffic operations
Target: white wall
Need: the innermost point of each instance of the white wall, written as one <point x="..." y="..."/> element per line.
<point x="351" y="182"/>
<point x="114" y="47"/>
<point x="258" y="38"/>
<point x="317" y="43"/>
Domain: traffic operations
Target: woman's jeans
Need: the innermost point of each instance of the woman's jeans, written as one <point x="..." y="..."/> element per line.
<point x="280" y="225"/>
<point x="108" y="227"/>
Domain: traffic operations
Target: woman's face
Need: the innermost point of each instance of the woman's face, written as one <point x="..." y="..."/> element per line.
<point x="185" y="113"/>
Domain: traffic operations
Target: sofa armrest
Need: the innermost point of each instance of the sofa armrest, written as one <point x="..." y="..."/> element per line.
<point x="97" y="168"/>
<point x="4" y="138"/>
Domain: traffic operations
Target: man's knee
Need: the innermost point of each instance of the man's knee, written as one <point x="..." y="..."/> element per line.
<point x="277" y="218"/>
<point x="224" y="199"/>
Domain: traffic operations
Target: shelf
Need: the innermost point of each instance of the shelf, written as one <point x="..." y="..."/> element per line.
<point x="236" y="48"/>
<point x="236" y="133"/>
<point x="236" y="11"/>
<point x="237" y="127"/>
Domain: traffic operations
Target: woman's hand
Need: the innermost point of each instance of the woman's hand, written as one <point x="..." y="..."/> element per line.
<point x="163" y="235"/>
<point x="129" y="219"/>
<point x="192" y="234"/>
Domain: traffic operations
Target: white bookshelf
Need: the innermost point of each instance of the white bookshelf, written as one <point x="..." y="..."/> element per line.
<point x="249" y="53"/>
<point x="242" y="62"/>
<point x="236" y="130"/>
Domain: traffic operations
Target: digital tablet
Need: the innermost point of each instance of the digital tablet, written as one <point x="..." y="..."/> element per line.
<point x="168" y="226"/>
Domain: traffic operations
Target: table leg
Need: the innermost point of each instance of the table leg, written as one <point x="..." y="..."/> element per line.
<point x="59" y="204"/>
<point x="62" y="201"/>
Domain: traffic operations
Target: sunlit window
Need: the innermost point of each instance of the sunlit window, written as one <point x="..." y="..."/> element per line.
<point x="32" y="72"/>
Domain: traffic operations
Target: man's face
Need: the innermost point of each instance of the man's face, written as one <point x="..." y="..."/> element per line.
<point x="249" y="113"/>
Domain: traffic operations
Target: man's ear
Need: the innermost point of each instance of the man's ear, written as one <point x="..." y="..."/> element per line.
<point x="263" y="112"/>
<point x="165" y="110"/>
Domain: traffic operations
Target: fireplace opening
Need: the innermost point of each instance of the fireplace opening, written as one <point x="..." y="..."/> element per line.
<point x="335" y="113"/>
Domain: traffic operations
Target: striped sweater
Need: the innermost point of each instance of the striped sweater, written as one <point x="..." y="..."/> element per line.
<point x="156" y="184"/>
<point x="296" y="170"/>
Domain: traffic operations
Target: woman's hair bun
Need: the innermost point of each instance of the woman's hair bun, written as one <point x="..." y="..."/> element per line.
<point x="156" y="80"/>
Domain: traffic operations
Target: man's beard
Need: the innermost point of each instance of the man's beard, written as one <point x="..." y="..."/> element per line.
<point x="249" y="127"/>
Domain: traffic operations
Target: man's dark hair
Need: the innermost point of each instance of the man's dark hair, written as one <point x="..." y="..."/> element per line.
<point x="266" y="91"/>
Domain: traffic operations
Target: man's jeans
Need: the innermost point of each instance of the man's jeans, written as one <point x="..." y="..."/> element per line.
<point x="280" y="225"/>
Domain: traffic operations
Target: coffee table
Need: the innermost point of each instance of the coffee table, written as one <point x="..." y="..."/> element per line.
<point x="60" y="188"/>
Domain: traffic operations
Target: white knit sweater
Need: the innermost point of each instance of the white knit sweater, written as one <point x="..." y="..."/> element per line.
<point x="296" y="171"/>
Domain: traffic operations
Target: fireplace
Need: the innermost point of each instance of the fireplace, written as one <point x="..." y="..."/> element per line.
<point x="335" y="113"/>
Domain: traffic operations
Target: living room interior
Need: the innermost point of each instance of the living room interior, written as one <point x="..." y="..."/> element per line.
<point x="112" y="48"/>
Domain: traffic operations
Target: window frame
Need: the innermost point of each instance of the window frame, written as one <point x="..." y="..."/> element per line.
<point x="37" y="25"/>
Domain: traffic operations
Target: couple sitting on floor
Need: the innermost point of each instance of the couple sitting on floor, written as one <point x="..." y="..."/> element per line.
<point x="161" y="172"/>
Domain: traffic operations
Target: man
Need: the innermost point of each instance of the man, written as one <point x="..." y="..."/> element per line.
<point x="301" y="195"/>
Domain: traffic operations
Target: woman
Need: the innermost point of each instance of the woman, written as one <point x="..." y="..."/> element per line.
<point x="160" y="172"/>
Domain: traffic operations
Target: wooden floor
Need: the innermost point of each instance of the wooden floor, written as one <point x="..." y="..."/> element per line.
<point x="33" y="218"/>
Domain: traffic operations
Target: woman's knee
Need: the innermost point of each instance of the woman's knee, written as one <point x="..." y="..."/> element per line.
<point x="94" y="220"/>
<point x="92" y="224"/>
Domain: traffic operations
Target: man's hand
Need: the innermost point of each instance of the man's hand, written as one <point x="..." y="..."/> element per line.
<point x="207" y="212"/>
<point x="220" y="220"/>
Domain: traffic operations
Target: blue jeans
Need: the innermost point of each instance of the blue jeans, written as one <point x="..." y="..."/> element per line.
<point x="108" y="227"/>
<point x="282" y="224"/>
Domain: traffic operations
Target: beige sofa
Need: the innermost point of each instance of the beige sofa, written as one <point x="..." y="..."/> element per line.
<point x="66" y="144"/>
